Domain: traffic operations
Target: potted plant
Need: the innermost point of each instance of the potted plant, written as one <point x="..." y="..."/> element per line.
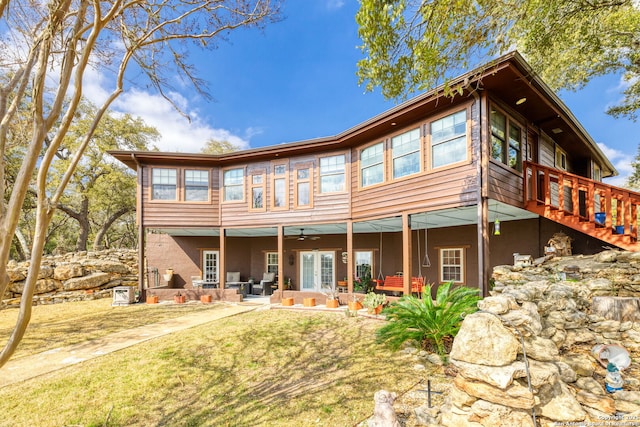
<point x="363" y="283"/>
<point x="179" y="298"/>
<point x="152" y="299"/>
<point x="354" y="304"/>
<point x="288" y="285"/>
<point x="332" y="298"/>
<point x="374" y="302"/>
<point x="205" y="298"/>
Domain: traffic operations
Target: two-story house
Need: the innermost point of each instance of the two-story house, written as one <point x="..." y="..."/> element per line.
<point x="440" y="188"/>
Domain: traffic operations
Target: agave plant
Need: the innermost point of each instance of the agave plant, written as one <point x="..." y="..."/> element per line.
<point x="425" y="321"/>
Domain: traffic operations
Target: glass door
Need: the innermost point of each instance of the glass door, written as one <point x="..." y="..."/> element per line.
<point x="210" y="266"/>
<point x="317" y="270"/>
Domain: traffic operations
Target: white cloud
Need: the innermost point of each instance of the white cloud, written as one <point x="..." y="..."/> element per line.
<point x="621" y="161"/>
<point x="177" y="133"/>
<point x="335" y="4"/>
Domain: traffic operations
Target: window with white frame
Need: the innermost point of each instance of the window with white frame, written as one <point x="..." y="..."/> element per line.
<point x="272" y="262"/>
<point x="233" y="182"/>
<point x="449" y="139"/>
<point x="332" y="174"/>
<point x="257" y="192"/>
<point x="280" y="188"/>
<point x="196" y="185"/>
<point x="164" y="184"/>
<point x="303" y="187"/>
<point x="452" y="265"/>
<point x="506" y="140"/>
<point x="561" y="159"/>
<point x="364" y="263"/>
<point x="372" y="165"/>
<point x="405" y="150"/>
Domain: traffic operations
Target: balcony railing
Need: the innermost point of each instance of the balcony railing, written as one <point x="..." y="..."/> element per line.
<point x="606" y="212"/>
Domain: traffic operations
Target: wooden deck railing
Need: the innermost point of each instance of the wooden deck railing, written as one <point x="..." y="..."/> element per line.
<point x="606" y="212"/>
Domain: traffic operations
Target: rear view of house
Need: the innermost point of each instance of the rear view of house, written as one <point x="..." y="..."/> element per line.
<point x="437" y="189"/>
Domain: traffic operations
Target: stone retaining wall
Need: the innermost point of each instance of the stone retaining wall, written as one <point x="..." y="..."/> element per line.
<point x="75" y="276"/>
<point x="545" y="312"/>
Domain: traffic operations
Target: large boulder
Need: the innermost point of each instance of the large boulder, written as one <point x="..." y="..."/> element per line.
<point x="484" y="340"/>
<point x="91" y="281"/>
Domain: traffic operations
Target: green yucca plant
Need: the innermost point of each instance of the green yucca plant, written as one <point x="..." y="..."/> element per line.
<point x="425" y="321"/>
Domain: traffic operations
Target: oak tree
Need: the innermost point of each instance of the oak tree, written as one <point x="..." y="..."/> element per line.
<point x="46" y="51"/>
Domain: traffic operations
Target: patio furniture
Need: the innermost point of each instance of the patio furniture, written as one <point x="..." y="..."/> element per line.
<point x="234" y="282"/>
<point x="264" y="287"/>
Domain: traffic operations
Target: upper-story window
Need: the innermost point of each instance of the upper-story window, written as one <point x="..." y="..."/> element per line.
<point x="164" y="184"/>
<point x="449" y="140"/>
<point x="506" y="140"/>
<point x="561" y="159"/>
<point x="332" y="174"/>
<point x="303" y="187"/>
<point x="257" y="192"/>
<point x="405" y="150"/>
<point x="280" y="188"/>
<point x="196" y="185"/>
<point x="597" y="172"/>
<point x="372" y="165"/>
<point x="233" y="182"/>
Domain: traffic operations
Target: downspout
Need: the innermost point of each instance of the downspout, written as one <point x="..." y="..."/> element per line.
<point x="141" y="242"/>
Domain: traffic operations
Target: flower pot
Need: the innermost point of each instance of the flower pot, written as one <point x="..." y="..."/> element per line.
<point x="179" y="299"/>
<point x="355" y="305"/>
<point x="205" y="298"/>
<point x="287" y="301"/>
<point x="375" y="310"/>
<point x="152" y="299"/>
<point x="333" y="303"/>
<point x="309" y="302"/>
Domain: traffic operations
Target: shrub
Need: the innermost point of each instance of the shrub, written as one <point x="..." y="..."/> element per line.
<point x="425" y="321"/>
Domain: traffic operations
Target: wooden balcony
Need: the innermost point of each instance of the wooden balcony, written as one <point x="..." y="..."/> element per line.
<point x="603" y="211"/>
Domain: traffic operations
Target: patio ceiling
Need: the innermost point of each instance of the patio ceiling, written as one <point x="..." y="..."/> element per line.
<point x="444" y="218"/>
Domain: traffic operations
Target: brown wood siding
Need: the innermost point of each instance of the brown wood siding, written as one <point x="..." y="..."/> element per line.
<point x="436" y="190"/>
<point x="505" y="184"/>
<point x="180" y="214"/>
<point x="547" y="152"/>
<point x="326" y="207"/>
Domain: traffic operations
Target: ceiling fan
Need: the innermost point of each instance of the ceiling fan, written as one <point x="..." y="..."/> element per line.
<point x="302" y="237"/>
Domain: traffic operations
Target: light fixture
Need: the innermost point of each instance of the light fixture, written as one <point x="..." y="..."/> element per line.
<point x="556" y="130"/>
<point x="291" y="259"/>
<point x="521" y="101"/>
<point x="393" y="123"/>
<point x="496" y="227"/>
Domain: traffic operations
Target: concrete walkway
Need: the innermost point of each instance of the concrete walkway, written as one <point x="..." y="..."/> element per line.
<point x="32" y="366"/>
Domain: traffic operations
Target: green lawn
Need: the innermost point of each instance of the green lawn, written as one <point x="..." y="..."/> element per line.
<point x="263" y="368"/>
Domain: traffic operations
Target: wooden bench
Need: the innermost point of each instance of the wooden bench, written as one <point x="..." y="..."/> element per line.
<point x="396" y="284"/>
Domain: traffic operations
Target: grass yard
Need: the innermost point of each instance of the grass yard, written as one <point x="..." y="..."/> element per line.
<point x="263" y="368"/>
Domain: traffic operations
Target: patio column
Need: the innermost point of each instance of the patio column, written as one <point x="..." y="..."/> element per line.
<point x="281" y="260"/>
<point x="223" y="264"/>
<point x="406" y="254"/>
<point x="350" y="257"/>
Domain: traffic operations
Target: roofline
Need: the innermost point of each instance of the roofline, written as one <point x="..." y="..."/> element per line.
<point x="335" y="142"/>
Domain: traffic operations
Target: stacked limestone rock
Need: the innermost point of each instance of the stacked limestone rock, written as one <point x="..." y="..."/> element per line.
<point x="75" y="276"/>
<point x="545" y="312"/>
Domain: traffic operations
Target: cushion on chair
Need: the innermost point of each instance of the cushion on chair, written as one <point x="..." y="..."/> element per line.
<point x="268" y="277"/>
<point x="233" y="276"/>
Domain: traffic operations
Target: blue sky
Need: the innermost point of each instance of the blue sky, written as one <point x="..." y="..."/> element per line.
<point x="296" y="81"/>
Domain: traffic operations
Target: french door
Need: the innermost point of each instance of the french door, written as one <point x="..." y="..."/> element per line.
<point x="210" y="266"/>
<point x="317" y="270"/>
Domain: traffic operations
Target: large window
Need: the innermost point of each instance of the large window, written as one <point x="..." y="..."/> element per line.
<point x="364" y="263"/>
<point x="332" y="174"/>
<point x="449" y="140"/>
<point x="452" y="265"/>
<point x="280" y="188"/>
<point x="164" y="184"/>
<point x="196" y="185"/>
<point x="233" y="185"/>
<point x="372" y="165"/>
<point x="506" y="140"/>
<point x="405" y="150"/>
<point x="257" y="192"/>
<point x="303" y="188"/>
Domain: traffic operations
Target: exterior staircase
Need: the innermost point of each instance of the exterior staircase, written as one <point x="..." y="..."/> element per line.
<point x="603" y="211"/>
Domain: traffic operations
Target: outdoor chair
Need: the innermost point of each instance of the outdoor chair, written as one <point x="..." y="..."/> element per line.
<point x="264" y="287"/>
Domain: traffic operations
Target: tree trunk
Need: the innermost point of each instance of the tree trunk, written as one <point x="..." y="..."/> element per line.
<point x="105" y="227"/>
<point x="24" y="249"/>
<point x="622" y="309"/>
